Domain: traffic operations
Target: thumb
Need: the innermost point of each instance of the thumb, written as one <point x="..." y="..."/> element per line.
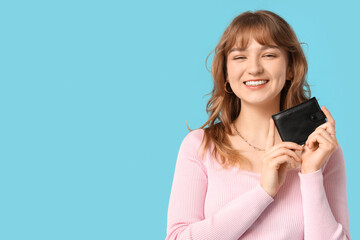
<point x="271" y="135"/>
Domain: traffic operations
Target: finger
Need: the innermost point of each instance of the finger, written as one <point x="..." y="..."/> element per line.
<point x="319" y="139"/>
<point x="284" y="151"/>
<point x="328" y="115"/>
<point x="322" y="131"/>
<point x="288" y="145"/>
<point x="271" y="135"/>
<point x="310" y="142"/>
<point x="312" y="134"/>
<point x="326" y="135"/>
<point x="328" y="127"/>
<point x="284" y="167"/>
<point x="279" y="161"/>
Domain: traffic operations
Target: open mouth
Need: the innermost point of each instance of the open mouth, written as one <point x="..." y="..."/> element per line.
<point x="256" y="83"/>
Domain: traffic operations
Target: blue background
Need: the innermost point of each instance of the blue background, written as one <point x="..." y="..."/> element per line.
<point x="94" y="97"/>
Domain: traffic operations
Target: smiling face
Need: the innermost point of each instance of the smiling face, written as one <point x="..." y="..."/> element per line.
<point x="267" y="64"/>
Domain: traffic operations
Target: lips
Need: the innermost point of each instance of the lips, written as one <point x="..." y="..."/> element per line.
<point x="256" y="80"/>
<point x="255" y="84"/>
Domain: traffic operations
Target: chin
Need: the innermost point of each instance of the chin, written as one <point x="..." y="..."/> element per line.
<point x="260" y="101"/>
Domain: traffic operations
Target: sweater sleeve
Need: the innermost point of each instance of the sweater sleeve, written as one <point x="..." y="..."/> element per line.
<point x="324" y="196"/>
<point x="186" y="205"/>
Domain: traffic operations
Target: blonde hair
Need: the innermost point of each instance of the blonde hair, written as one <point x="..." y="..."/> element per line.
<point x="223" y="108"/>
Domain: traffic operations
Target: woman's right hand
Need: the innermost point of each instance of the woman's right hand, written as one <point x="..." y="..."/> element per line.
<point x="275" y="162"/>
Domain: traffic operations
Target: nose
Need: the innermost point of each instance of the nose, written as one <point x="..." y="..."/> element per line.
<point x="254" y="66"/>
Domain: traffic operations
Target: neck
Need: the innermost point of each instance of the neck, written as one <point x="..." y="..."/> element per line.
<point x="253" y="121"/>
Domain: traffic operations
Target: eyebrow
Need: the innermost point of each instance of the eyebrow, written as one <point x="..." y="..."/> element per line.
<point x="262" y="48"/>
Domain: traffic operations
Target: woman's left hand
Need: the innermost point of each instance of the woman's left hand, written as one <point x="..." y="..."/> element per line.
<point x="320" y="145"/>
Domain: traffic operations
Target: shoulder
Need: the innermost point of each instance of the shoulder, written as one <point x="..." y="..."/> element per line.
<point x="195" y="135"/>
<point x="193" y="141"/>
<point x="194" y="138"/>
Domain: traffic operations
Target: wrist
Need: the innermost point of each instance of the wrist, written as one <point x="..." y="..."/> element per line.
<point x="270" y="193"/>
<point x="308" y="170"/>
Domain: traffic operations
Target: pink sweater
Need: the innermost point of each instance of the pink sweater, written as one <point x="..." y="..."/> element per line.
<point x="209" y="202"/>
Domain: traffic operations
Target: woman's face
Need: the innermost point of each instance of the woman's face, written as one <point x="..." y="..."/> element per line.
<point x="265" y="65"/>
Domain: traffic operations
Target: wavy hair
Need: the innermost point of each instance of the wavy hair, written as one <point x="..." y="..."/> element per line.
<point x="223" y="108"/>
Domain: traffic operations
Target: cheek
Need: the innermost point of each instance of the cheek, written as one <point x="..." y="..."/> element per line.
<point x="280" y="72"/>
<point x="234" y="72"/>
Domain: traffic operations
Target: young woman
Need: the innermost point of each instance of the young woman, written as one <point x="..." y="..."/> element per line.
<point x="246" y="183"/>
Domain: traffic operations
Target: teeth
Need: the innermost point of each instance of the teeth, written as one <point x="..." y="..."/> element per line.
<point x="255" y="83"/>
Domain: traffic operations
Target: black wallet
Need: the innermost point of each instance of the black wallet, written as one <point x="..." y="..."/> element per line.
<point x="297" y="123"/>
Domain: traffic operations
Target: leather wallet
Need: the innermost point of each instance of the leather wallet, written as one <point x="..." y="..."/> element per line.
<point x="297" y="123"/>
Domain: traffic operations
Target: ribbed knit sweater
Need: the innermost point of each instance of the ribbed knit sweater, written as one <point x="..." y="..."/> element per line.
<point x="210" y="202"/>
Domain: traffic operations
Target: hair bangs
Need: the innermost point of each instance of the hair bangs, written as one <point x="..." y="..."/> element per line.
<point x="257" y="29"/>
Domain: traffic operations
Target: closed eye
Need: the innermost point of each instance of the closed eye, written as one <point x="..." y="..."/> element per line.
<point x="239" y="58"/>
<point x="269" y="55"/>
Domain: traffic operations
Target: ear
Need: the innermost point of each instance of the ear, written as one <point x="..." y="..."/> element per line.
<point x="289" y="73"/>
